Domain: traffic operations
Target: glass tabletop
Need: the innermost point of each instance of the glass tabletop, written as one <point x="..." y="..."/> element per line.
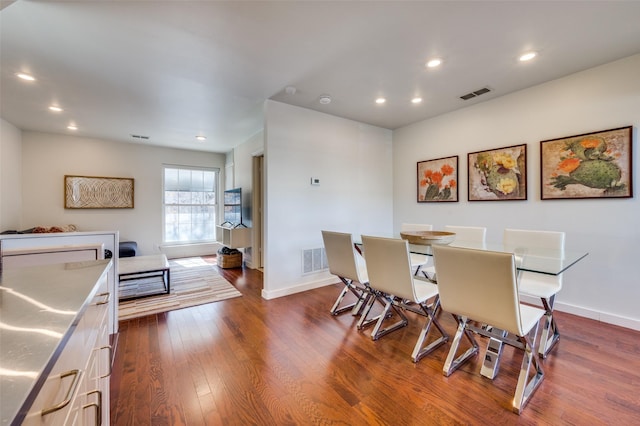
<point x="545" y="261"/>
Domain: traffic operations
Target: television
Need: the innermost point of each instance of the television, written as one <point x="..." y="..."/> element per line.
<point x="233" y="207"/>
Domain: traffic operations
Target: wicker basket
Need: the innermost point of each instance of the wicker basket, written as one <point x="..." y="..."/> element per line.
<point x="230" y="260"/>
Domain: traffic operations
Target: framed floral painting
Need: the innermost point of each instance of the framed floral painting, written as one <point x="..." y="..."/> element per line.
<point x="498" y="174"/>
<point x="591" y="165"/>
<point x="438" y="180"/>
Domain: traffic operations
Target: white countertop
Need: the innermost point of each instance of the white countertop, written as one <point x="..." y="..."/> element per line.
<point x="39" y="309"/>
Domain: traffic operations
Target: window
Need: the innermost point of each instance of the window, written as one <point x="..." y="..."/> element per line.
<point x="189" y="204"/>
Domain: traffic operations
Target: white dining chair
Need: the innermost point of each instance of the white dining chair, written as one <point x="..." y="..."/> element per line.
<point x="390" y="274"/>
<point x="485" y="291"/>
<point x="418" y="261"/>
<point x="537" y="285"/>
<point x="474" y="236"/>
<point x="348" y="265"/>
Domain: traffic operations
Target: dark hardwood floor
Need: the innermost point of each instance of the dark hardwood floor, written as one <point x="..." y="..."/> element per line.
<point x="249" y="361"/>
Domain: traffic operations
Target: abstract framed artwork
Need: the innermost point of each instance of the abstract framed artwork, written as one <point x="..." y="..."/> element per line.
<point x="87" y="192"/>
<point x="591" y="165"/>
<point x="498" y="174"/>
<point x="438" y="180"/>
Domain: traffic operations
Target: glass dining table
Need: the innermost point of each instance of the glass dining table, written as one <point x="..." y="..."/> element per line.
<point x="531" y="259"/>
<point x="543" y="261"/>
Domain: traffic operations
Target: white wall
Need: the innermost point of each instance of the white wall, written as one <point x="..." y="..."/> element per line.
<point x="243" y="166"/>
<point x="352" y="161"/>
<point x="605" y="284"/>
<point x="243" y="178"/>
<point x="48" y="157"/>
<point x="10" y="176"/>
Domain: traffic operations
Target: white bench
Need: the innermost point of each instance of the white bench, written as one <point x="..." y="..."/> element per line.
<point x="140" y="267"/>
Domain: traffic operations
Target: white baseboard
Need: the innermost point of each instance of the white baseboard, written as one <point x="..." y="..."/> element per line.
<point x="633" y="324"/>
<point x="299" y="288"/>
<point x="188" y="250"/>
<point x="605" y="317"/>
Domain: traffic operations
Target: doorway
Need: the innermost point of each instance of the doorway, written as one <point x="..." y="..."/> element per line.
<point x="258" y="205"/>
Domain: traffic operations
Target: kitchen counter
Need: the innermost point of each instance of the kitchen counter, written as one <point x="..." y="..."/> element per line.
<point x="40" y="307"/>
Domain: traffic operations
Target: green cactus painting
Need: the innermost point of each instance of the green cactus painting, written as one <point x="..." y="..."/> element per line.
<point x="498" y="174"/>
<point x="595" y="165"/>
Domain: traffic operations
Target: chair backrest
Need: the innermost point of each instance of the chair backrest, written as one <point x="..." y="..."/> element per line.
<point x="389" y="266"/>
<point x="480" y="285"/>
<point x="533" y="239"/>
<point x="471" y="234"/>
<point x="408" y="227"/>
<point x="519" y="240"/>
<point x="344" y="261"/>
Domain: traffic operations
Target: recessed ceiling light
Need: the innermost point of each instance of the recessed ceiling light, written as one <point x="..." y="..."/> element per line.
<point x="434" y="63"/>
<point x="26" y="77"/>
<point x="416" y="100"/>
<point x="380" y="101"/>
<point x="528" y="56"/>
<point x="325" y="99"/>
<point x="72" y="127"/>
<point x="55" y="108"/>
<point x="201" y="138"/>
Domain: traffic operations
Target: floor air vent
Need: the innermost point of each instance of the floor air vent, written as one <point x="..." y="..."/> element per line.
<point x="314" y="260"/>
<point x="475" y="93"/>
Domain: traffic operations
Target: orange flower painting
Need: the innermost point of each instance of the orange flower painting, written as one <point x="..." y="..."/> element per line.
<point x="438" y="180"/>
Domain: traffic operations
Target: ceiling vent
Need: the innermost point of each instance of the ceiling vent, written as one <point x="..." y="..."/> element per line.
<point x="140" y="137"/>
<point x="475" y="93"/>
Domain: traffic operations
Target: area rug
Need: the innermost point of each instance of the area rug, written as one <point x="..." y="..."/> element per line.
<point x="193" y="282"/>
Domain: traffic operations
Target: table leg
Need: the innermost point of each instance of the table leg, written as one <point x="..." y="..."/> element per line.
<point x="491" y="363"/>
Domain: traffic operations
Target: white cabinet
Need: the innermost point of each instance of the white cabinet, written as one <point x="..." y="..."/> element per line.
<point x="15" y="258"/>
<point x="108" y="239"/>
<point x="234" y="237"/>
<point x="76" y="390"/>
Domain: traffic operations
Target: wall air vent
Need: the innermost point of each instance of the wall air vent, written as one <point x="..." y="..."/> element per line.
<point x="140" y="137"/>
<point x="475" y="93"/>
<point x="314" y="260"/>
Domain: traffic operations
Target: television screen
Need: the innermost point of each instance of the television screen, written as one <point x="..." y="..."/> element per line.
<point x="233" y="197"/>
<point x="233" y="206"/>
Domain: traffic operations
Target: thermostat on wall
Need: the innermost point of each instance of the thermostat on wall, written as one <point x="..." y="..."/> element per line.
<point x="315" y="181"/>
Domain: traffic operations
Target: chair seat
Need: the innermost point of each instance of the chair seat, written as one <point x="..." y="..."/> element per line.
<point x="535" y="285"/>
<point x="530" y="315"/>
<point x="418" y="259"/>
<point x="362" y="271"/>
<point x="424" y="290"/>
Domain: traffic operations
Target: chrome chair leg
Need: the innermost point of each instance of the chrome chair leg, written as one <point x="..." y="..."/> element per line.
<point x="378" y="331"/>
<point x="527" y="385"/>
<point x="365" y="321"/>
<point x="452" y="363"/>
<point x="418" y="351"/>
<point x="348" y="286"/>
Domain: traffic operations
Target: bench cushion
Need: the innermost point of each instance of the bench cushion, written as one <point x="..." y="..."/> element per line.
<point x="128" y="248"/>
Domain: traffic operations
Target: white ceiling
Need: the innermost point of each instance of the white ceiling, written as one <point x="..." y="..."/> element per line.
<point x="173" y="69"/>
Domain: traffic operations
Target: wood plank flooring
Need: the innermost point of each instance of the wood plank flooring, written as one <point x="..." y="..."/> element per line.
<point x="249" y="361"/>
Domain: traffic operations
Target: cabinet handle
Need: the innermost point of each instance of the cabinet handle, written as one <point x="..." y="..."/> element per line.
<point x="98" y="406"/>
<point x="70" y="392"/>
<point x="106" y="299"/>
<point x="110" y="360"/>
